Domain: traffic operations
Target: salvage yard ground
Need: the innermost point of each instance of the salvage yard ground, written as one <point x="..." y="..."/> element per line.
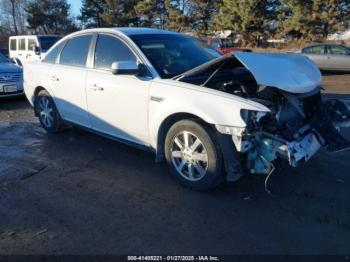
<point x="78" y="193"/>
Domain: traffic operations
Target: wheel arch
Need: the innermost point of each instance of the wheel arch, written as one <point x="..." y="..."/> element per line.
<point x="232" y="165"/>
<point x="166" y="124"/>
<point x="36" y="92"/>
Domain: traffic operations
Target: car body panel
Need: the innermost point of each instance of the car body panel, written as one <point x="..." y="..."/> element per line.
<point x="68" y="84"/>
<point x="291" y="73"/>
<point x="288" y="72"/>
<point x="35" y="75"/>
<point x="169" y="97"/>
<point x="117" y="105"/>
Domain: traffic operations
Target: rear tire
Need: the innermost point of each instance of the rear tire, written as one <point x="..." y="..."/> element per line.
<point x="193" y="155"/>
<point x="47" y="112"/>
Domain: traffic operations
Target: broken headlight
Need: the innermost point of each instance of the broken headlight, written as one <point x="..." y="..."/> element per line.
<point x="251" y="118"/>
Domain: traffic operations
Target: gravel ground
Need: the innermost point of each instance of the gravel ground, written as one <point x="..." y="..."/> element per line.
<point x="78" y="193"/>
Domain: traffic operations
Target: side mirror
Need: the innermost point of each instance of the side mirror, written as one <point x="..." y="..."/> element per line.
<point x="37" y="50"/>
<point x="125" y="68"/>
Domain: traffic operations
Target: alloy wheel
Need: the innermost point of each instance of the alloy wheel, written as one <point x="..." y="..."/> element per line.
<point x="189" y="156"/>
<point x="46" y="111"/>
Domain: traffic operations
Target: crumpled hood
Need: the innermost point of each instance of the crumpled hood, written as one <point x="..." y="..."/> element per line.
<point x="10" y="68"/>
<point x="289" y="72"/>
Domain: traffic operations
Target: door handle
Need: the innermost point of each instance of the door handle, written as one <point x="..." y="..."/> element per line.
<point x="97" y="87"/>
<point x="54" y="78"/>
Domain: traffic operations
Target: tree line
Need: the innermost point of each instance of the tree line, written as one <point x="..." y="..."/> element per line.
<point x="254" y="20"/>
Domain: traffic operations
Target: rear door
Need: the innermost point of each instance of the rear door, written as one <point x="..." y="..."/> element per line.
<point x="68" y="79"/>
<point x="339" y="57"/>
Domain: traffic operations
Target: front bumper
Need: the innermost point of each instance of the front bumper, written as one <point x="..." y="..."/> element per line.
<point x="267" y="148"/>
<point x="7" y="89"/>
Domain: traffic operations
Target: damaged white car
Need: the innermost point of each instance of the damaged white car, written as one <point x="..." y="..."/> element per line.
<point x="212" y="118"/>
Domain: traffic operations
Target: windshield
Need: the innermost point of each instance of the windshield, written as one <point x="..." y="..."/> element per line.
<point x="173" y="54"/>
<point x="47" y="41"/>
<point x="3" y="59"/>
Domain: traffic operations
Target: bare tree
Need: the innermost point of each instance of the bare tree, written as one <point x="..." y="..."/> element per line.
<point x="13" y="15"/>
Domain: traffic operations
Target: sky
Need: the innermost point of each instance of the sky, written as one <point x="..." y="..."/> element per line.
<point x="75" y="6"/>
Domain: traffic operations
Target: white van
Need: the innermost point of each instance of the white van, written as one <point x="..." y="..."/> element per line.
<point x="30" y="47"/>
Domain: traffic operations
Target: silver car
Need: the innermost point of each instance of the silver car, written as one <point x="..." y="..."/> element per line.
<point x="330" y="57"/>
<point x="11" y="78"/>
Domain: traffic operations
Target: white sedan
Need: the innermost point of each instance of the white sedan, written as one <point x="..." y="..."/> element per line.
<point x="212" y="117"/>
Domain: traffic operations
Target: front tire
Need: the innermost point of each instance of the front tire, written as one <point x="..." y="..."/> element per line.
<point x="47" y="112"/>
<point x="193" y="155"/>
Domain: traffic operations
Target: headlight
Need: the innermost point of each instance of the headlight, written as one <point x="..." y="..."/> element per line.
<point x="249" y="115"/>
<point x="230" y="130"/>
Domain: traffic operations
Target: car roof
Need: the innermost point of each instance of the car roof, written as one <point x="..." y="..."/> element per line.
<point x="323" y="44"/>
<point x="128" y="31"/>
<point x="142" y="30"/>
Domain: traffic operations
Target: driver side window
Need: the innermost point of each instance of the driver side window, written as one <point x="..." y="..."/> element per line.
<point x="337" y="50"/>
<point x="110" y="49"/>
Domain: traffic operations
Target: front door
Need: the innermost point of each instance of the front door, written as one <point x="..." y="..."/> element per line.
<point x="339" y="57"/>
<point x="118" y="104"/>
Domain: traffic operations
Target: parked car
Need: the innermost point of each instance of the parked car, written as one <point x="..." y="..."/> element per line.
<point x="330" y="57"/>
<point x="11" y="78"/>
<point x="210" y="118"/>
<point x="225" y="45"/>
<point x="30" y="47"/>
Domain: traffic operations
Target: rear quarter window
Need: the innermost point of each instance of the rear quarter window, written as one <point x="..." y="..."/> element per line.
<point x="52" y="56"/>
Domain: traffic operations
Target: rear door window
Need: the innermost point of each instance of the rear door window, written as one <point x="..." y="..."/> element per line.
<point x="76" y="51"/>
<point x="52" y="56"/>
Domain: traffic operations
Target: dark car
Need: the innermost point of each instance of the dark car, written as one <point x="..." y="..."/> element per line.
<point x="225" y="45"/>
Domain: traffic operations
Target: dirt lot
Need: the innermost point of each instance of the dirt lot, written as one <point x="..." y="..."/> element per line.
<point x="77" y="193"/>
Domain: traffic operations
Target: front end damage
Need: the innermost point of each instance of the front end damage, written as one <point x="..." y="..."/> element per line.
<point x="292" y="131"/>
<point x="300" y="121"/>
